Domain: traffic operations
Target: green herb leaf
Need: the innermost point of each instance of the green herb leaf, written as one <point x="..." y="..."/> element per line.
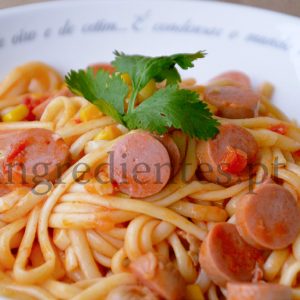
<point x="175" y="107"/>
<point x="142" y="69"/>
<point x="167" y="107"/>
<point x="104" y="90"/>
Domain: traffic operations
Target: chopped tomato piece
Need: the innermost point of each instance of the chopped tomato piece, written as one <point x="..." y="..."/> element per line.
<point x="115" y="187"/>
<point x="30" y="117"/>
<point x="14" y="155"/>
<point x="279" y="128"/>
<point x="31" y="105"/>
<point x="297" y="153"/>
<point x="102" y="66"/>
<point x="234" y="161"/>
<point x="16" y="150"/>
<point x="77" y="121"/>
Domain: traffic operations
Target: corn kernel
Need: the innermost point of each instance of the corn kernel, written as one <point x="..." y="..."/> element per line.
<point x="199" y="89"/>
<point x="126" y="78"/>
<point x="193" y="292"/>
<point x="108" y="133"/>
<point x="18" y="113"/>
<point x="213" y="109"/>
<point x="89" y="112"/>
<point x="6" y="110"/>
<point x="147" y="91"/>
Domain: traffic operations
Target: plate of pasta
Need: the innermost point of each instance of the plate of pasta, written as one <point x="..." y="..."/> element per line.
<point x="132" y="172"/>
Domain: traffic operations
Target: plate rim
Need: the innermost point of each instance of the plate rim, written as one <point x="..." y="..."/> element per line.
<point x="11" y="12"/>
<point x="31" y="7"/>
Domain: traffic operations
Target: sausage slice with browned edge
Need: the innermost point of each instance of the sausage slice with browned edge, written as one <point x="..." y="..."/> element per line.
<point x="160" y="276"/>
<point x="269" y="217"/>
<point x="141" y="165"/>
<point x="234" y="78"/>
<point x="31" y="155"/>
<point x="233" y="102"/>
<point x="258" y="291"/>
<point x="173" y="151"/>
<point x="228" y="158"/>
<point x="225" y="256"/>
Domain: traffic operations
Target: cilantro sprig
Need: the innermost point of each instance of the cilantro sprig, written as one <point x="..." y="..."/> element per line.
<point x="106" y="91"/>
<point x="142" y="69"/>
<point x="167" y="107"/>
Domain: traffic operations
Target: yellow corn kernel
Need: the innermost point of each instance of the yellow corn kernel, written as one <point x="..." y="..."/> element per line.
<point x="108" y="133"/>
<point x="193" y="292"/>
<point x="89" y="112"/>
<point x="213" y="109"/>
<point x="147" y="91"/>
<point x="18" y="113"/>
<point x="63" y="85"/>
<point x="126" y="78"/>
<point x="199" y="89"/>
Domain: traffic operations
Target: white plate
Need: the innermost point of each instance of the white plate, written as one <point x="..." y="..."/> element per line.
<point x="72" y="34"/>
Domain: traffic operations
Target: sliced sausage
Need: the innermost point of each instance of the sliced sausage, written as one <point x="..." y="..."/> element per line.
<point x="258" y="291"/>
<point x="224" y="256"/>
<point x="141" y="165"/>
<point x="235" y="78"/>
<point x="173" y="151"/>
<point x="160" y="276"/>
<point x="233" y="102"/>
<point x="31" y="155"/>
<point x="131" y="292"/>
<point x="216" y="162"/>
<point x="269" y="217"/>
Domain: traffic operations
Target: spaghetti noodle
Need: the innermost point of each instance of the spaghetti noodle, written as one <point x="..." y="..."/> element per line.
<point x="71" y="240"/>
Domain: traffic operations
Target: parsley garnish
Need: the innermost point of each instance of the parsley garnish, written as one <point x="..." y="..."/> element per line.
<point x="105" y="91"/>
<point x="175" y="107"/>
<point x="168" y="107"/>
